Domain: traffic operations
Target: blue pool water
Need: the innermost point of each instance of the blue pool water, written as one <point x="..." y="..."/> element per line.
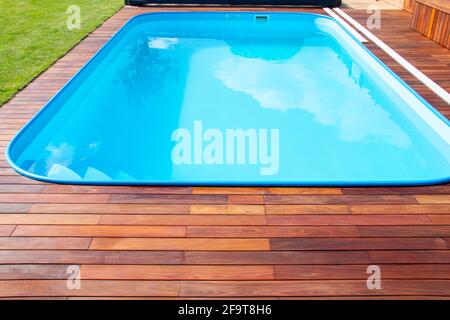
<point x="235" y="99"/>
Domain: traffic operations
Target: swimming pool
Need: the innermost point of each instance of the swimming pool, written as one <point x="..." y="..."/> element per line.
<point x="235" y="99"/>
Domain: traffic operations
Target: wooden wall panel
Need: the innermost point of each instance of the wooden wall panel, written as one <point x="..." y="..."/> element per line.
<point x="408" y="5"/>
<point x="432" y="19"/>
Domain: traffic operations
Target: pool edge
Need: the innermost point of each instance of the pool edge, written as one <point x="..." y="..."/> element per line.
<point x="21" y="131"/>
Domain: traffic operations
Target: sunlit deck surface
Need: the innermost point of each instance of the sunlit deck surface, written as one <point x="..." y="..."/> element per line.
<point x="183" y="242"/>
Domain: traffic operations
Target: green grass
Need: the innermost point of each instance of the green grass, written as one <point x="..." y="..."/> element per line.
<point x="34" y="34"/>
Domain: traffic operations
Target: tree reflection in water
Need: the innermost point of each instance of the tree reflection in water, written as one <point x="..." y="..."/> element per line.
<point x="148" y="73"/>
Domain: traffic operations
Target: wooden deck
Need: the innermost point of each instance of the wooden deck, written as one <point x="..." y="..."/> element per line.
<point x="223" y="242"/>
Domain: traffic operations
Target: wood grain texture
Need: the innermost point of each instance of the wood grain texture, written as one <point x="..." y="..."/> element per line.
<point x="408" y="5"/>
<point x="343" y="272"/>
<point x="196" y="242"/>
<point x="432" y="19"/>
<point x="178" y="244"/>
<point x="100" y="231"/>
<point x="19" y="243"/>
<point x="141" y="272"/>
<point x="357" y="243"/>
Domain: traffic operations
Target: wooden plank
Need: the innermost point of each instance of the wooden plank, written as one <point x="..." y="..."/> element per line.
<point x="69" y="189"/>
<point x="100" y="231"/>
<point x="20" y="188"/>
<point x="6" y="171"/>
<point x="246" y="209"/>
<point x="109" y="208"/>
<point x="38" y="243"/>
<point x="32" y="272"/>
<point x="261" y="190"/>
<point x="245" y="199"/>
<point x="410" y="256"/>
<point x="341" y="219"/>
<point x="440" y="219"/>
<point x="271" y="231"/>
<point x="276" y="258"/>
<point x="433" y="199"/>
<point x="304" y="190"/>
<point x="14" y="207"/>
<point x="227" y="190"/>
<point x="357" y="243"/>
<point x="404" y="231"/>
<point x="312" y="288"/>
<point x="184" y="220"/>
<point x="228" y="209"/>
<point x="439" y="189"/>
<point x="343" y="272"/>
<point x="52" y="198"/>
<point x="400" y="209"/>
<point x="178" y="244"/>
<point x="49" y="288"/>
<point x="208" y="209"/>
<point x="6" y="230"/>
<point x="307" y="209"/>
<point x="134" y="272"/>
<point x="168" y="199"/>
<point x="338" y="199"/>
<point x="70" y="257"/>
<point x="60" y="219"/>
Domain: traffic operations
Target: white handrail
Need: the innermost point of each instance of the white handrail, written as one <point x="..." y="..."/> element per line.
<point x="402" y="61"/>
<point x="345" y="25"/>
